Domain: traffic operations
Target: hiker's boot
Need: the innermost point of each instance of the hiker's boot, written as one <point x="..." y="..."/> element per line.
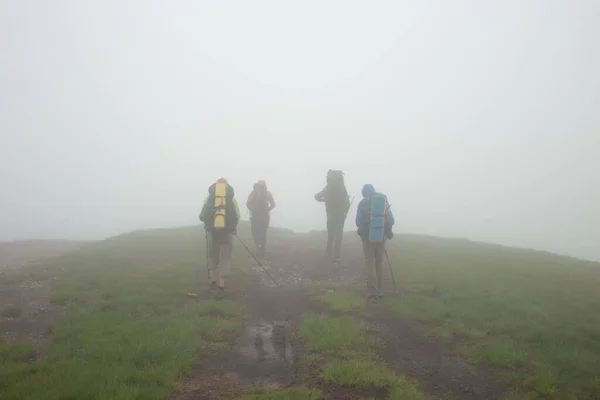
<point x="213" y="287"/>
<point x="371" y="296"/>
<point x="337" y="268"/>
<point x="220" y="293"/>
<point x="380" y="296"/>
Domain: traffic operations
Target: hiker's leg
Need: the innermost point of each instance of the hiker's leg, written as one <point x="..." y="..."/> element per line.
<point x="262" y="233"/>
<point x="265" y="230"/>
<point x="378" y="252"/>
<point x="338" y="235"/>
<point x="369" y="266"/>
<point x="330" y="234"/>
<point x="214" y="256"/>
<point x="254" y="228"/>
<point x="225" y="265"/>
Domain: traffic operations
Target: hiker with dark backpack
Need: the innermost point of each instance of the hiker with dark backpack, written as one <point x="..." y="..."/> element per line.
<point x="337" y="203"/>
<point x="221" y="215"/>
<point x="260" y="203"/>
<point x="374" y="220"/>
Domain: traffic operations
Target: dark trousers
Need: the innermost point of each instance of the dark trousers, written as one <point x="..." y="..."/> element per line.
<point x="259" y="226"/>
<point x="335" y="231"/>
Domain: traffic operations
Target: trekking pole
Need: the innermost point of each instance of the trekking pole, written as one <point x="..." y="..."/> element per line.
<point x="256" y="259"/>
<point x="391" y="271"/>
<point x="207" y="258"/>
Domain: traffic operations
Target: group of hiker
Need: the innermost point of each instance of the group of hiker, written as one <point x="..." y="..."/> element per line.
<point x="221" y="215"/>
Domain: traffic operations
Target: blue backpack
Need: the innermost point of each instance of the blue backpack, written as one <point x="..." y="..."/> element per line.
<point x="377" y="217"/>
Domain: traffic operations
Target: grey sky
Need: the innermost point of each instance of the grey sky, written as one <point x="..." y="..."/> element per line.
<point x="479" y="119"/>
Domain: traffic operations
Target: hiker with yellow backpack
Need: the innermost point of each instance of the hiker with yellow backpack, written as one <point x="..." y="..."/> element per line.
<point x="221" y="215"/>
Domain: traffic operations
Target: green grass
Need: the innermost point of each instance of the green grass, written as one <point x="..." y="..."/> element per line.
<point x="11" y="312"/>
<point x="350" y="356"/>
<point x="343" y="301"/>
<point x="370" y="373"/>
<point x="531" y="312"/>
<point x="16" y="352"/>
<point x="299" y="393"/>
<point x="131" y="330"/>
<point x="366" y="373"/>
<point x="336" y="336"/>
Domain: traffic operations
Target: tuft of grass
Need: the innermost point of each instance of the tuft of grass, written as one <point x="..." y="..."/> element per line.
<point x="11" y="312"/>
<point x="312" y="359"/>
<point x="405" y="390"/>
<point x="16" y="352"/>
<point x="131" y="330"/>
<point x="336" y="336"/>
<point x="370" y="373"/>
<point x="366" y="373"/>
<point x="512" y="308"/>
<point x="299" y="393"/>
<point x="343" y="301"/>
<point x="350" y="353"/>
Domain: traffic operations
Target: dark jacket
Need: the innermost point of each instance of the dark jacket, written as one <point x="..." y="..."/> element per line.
<point x="336" y="199"/>
<point x="362" y="220"/>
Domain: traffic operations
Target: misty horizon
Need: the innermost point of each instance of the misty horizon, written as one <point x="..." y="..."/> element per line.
<point x="477" y="120"/>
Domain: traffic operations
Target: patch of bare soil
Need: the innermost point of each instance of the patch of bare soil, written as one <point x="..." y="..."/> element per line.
<point x="410" y="350"/>
<point x="268" y="355"/>
<point x="20" y="291"/>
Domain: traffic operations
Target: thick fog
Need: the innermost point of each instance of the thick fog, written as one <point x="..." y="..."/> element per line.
<point x="478" y="119"/>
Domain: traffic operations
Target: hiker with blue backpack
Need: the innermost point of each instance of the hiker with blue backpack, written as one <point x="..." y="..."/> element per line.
<point x="374" y="220"/>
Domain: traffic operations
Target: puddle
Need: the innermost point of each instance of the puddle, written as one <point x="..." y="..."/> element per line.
<point x="269" y="342"/>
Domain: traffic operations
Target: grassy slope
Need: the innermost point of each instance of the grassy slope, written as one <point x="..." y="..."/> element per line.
<point x="131" y="330"/>
<point x="20" y="252"/>
<point x="534" y="312"/>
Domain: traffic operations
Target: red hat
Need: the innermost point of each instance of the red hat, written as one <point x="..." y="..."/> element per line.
<point x="262" y="182"/>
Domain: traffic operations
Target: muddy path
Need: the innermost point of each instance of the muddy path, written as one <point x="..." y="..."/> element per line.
<point x="268" y="354"/>
<point x="26" y="313"/>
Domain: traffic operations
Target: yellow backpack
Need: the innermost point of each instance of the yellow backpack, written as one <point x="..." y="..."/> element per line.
<point x="220" y="206"/>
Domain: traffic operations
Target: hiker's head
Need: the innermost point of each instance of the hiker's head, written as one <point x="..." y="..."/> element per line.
<point x="335" y="176"/>
<point x="221" y="180"/>
<point x="368" y="190"/>
<point x="262" y="182"/>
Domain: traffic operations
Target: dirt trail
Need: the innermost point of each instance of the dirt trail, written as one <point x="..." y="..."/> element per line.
<point x="268" y="355"/>
<point x="24" y="299"/>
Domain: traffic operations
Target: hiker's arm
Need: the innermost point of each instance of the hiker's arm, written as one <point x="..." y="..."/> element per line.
<point x="359" y="213"/>
<point x="271" y="201"/>
<point x="390" y="220"/>
<point x="203" y="212"/>
<point x="321" y="195"/>
<point x="237" y="211"/>
<point x="249" y="200"/>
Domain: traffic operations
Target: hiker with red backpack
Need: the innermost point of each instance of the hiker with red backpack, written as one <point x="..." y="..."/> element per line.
<point x="221" y="215"/>
<point x="260" y="203"/>
<point x="337" y="203"/>
<point x="374" y="220"/>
